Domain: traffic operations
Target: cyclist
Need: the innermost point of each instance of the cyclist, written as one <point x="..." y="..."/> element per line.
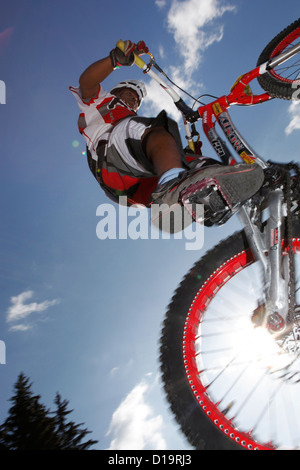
<point x="142" y="158"/>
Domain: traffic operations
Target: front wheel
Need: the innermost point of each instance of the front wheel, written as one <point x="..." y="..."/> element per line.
<point x="282" y="81"/>
<point x="229" y="384"/>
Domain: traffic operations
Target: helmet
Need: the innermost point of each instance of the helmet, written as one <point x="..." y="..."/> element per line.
<point x="137" y="86"/>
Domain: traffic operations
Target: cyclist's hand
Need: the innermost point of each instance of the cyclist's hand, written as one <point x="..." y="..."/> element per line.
<point x="126" y="57"/>
<point x="130" y="48"/>
<point x="141" y="48"/>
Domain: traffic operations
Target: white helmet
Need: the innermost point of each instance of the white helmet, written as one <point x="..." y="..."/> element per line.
<point x="137" y="86"/>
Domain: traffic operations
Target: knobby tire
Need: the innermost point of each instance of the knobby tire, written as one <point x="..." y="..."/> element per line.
<point x="207" y="423"/>
<point x="204" y="423"/>
<point x="284" y="81"/>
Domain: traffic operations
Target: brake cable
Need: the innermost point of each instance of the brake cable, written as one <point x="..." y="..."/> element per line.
<point x="160" y="70"/>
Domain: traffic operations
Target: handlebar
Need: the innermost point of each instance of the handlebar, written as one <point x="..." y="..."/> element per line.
<point x="138" y="61"/>
<point x="190" y="114"/>
<point x="240" y="93"/>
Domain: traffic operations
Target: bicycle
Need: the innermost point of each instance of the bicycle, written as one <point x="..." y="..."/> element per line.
<point x="230" y="342"/>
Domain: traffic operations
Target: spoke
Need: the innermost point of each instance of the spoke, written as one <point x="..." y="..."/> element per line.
<point x="267" y="406"/>
<point x="247" y="375"/>
<point x="294" y="74"/>
<point x="227" y="366"/>
<point x="235" y="382"/>
<point x="225" y="318"/>
<point x="212" y="351"/>
<point x="289" y="71"/>
<point x="219" y="333"/>
<point x="256" y="385"/>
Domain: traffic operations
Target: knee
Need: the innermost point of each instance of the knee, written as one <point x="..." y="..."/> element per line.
<point x="154" y="133"/>
<point x="156" y="136"/>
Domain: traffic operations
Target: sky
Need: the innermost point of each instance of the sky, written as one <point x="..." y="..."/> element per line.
<point x="80" y="314"/>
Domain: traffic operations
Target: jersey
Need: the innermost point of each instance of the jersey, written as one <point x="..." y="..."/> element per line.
<point x="98" y="115"/>
<point x="97" y="119"/>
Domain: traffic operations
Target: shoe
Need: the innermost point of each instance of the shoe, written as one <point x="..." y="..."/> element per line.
<point x="235" y="184"/>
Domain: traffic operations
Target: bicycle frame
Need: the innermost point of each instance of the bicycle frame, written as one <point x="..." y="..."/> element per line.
<point x="265" y="246"/>
<point x="240" y="94"/>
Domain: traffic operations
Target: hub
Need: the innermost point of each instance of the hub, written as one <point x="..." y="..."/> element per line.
<point x="273" y="322"/>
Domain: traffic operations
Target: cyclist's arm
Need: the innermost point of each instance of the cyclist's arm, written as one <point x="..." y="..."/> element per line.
<point x="91" y="78"/>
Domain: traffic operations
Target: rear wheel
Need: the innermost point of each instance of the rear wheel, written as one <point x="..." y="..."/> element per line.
<point x="230" y="385"/>
<point x="282" y="81"/>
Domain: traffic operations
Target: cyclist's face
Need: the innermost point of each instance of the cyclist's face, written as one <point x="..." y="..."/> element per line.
<point x="130" y="97"/>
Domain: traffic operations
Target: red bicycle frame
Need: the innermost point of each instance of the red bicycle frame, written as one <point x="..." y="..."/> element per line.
<point x="240" y="94"/>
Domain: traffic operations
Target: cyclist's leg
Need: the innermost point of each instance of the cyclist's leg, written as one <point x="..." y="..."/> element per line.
<point x="221" y="189"/>
<point x="162" y="150"/>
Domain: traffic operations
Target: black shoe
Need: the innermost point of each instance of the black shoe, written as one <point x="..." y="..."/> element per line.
<point x="236" y="184"/>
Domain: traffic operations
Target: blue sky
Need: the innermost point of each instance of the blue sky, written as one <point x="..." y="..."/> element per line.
<point x="80" y="315"/>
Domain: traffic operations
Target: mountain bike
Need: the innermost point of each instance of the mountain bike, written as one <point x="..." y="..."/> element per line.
<point x="230" y="342"/>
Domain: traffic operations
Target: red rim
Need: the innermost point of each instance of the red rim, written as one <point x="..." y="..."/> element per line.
<point x="289" y="39"/>
<point x="196" y="313"/>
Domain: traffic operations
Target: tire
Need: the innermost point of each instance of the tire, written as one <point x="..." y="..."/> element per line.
<point x="282" y="82"/>
<point x="195" y="391"/>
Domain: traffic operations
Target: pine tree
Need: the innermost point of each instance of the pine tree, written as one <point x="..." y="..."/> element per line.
<point x="69" y="433"/>
<point x="30" y="425"/>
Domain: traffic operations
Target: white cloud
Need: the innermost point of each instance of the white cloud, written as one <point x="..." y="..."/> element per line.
<point x="188" y="21"/>
<point x="160" y="3"/>
<point x="19" y="309"/>
<point x="20" y="327"/>
<point x="157" y="99"/>
<point x="114" y="371"/>
<point x="294" y="111"/>
<point x="192" y="24"/>
<point x="134" y="425"/>
<point x="161" y="52"/>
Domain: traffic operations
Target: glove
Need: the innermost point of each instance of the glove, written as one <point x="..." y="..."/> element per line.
<point x="119" y="58"/>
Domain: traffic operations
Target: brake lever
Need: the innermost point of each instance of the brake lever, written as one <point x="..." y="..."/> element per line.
<point x="190" y="114"/>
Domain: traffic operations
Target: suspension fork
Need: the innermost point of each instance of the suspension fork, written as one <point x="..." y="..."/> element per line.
<point x="267" y="248"/>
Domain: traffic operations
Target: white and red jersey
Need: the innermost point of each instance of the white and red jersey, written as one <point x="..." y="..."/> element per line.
<point x="98" y="116"/>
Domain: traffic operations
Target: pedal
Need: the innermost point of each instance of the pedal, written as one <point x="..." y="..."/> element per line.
<point x="215" y="208"/>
